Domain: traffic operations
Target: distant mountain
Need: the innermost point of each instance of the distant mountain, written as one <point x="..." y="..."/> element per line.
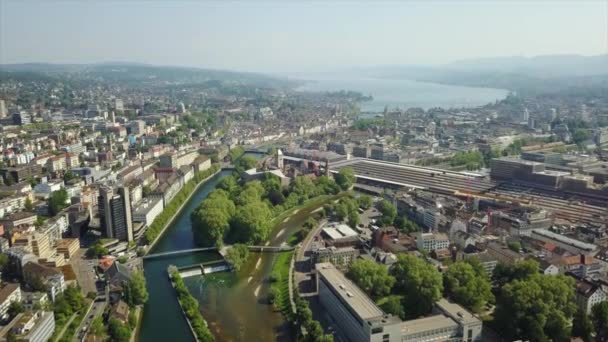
<point x="138" y="72"/>
<point x="540" y="66"/>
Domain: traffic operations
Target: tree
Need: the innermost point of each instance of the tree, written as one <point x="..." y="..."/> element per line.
<point x="406" y="225"/>
<point x="419" y="282"/>
<point x="580" y="135"/>
<point x="237" y="255"/>
<point x="97" y="251"/>
<point x="69" y="175"/>
<point x="365" y="201"/>
<point x="118" y="331"/>
<point x="15" y="308"/>
<point x="137" y="292"/>
<point x="599" y="317"/>
<point x="345" y="178"/>
<point x="504" y="273"/>
<point x="388" y="211"/>
<point x="3" y="262"/>
<point x="57" y="201"/>
<point x="371" y="277"/>
<point x="211" y="220"/>
<point x="251" y="223"/>
<point x="581" y="326"/>
<point x="246" y="163"/>
<point x="537" y="308"/>
<point x="97" y="327"/>
<point x="467" y="285"/>
<point x="29" y="206"/>
<point x="514" y="246"/>
<point x="393" y="306"/>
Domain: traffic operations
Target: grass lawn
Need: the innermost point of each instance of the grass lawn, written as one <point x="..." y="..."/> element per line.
<point x="280" y="284"/>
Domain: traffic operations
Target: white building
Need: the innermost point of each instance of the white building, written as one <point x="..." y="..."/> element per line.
<point x="9" y="293"/>
<point x="432" y="241"/>
<point x="148" y="210"/>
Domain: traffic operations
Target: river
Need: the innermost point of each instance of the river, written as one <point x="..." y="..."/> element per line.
<point x="234" y="305"/>
<point x="404" y="93"/>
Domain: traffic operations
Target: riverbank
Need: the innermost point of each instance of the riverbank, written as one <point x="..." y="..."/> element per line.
<point x="189" y="306"/>
<point x="161" y="220"/>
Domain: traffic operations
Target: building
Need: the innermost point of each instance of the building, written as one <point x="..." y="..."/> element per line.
<point x="52" y="279"/>
<point x="68" y="247"/>
<point x="432" y="241"/>
<point x="35" y="326"/>
<point x="568" y="244"/>
<point x="147" y="210"/>
<point x="340" y="235"/>
<point x="115" y="213"/>
<point x="339" y="257"/>
<point x="18" y="257"/>
<point x="590" y="292"/>
<point x="9" y="292"/>
<point x="120" y="311"/>
<point x="361" y="320"/>
<point x="503" y="254"/>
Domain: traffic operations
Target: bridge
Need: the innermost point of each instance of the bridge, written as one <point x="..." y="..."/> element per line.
<point x="180" y="252"/>
<point x="261" y="249"/>
<point x="270" y="249"/>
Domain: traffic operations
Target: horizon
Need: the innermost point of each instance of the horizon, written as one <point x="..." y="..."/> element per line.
<point x="274" y="37"/>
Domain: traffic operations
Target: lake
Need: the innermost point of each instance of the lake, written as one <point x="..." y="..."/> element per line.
<point x="405" y="93"/>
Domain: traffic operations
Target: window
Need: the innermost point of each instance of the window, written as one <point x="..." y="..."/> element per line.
<point x="386" y="338"/>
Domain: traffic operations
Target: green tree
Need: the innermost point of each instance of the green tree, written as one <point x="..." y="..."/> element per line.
<point x="504" y="273"/>
<point x="97" y="251"/>
<point x="15" y="308"/>
<point x="599" y="317"/>
<point x="327" y="185"/>
<point x="419" y="282"/>
<point x="3" y="262"/>
<point x="406" y="225"/>
<point x="69" y="175"/>
<point x="211" y="220"/>
<point x="29" y="206"/>
<point x="468" y="286"/>
<point x="365" y="201"/>
<point x="580" y="135"/>
<point x="537" y="308"/>
<point x="371" y="277"/>
<point x="388" y="211"/>
<point x="345" y="178"/>
<point x="581" y="326"/>
<point x="57" y="201"/>
<point x="118" y="331"/>
<point x="251" y="223"/>
<point x="137" y="292"/>
<point x="393" y="306"/>
<point x="246" y="163"/>
<point x="98" y="328"/>
<point x="237" y="255"/>
<point x="514" y="246"/>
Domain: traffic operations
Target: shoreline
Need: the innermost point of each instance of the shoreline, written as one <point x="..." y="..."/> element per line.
<point x="179" y="210"/>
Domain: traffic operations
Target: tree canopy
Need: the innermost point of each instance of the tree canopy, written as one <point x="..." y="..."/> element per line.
<point x="388" y="211"/>
<point x="57" y="201"/>
<point x="599" y="317"/>
<point x="419" y="282"/>
<point x="237" y="255"/>
<point x="135" y="292"/>
<point x="345" y="178"/>
<point x="468" y="285"/>
<point x="537" y="308"/>
<point x="371" y="277"/>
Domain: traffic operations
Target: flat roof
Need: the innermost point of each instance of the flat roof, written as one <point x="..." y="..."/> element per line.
<point x="350" y="294"/>
<point x="419" y="325"/>
<point x="564" y="239"/>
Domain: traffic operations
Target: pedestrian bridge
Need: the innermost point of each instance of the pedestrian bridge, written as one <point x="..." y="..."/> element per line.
<point x="261" y="249"/>
<point x="180" y="252"/>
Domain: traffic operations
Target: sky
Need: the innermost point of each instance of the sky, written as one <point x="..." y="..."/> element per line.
<point x="296" y="36"/>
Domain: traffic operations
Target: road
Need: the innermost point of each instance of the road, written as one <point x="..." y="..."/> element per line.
<point x="95" y="310"/>
<point x="85" y="271"/>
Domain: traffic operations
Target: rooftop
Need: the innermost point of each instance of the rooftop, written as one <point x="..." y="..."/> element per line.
<point x="564" y="239"/>
<point x="349" y="292"/>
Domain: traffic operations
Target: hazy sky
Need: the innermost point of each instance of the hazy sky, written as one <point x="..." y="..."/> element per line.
<point x="295" y="36"/>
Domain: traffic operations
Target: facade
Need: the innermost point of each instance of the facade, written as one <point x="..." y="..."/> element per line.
<point x="68" y="247"/>
<point x="53" y="279"/>
<point x="8" y="293"/>
<point x="35" y="326"/>
<point x="432" y="241"/>
<point x="339" y="257"/>
<point x="147" y="210"/>
<point x="115" y="213"/>
<point x="590" y="292"/>
<point x="503" y="254"/>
